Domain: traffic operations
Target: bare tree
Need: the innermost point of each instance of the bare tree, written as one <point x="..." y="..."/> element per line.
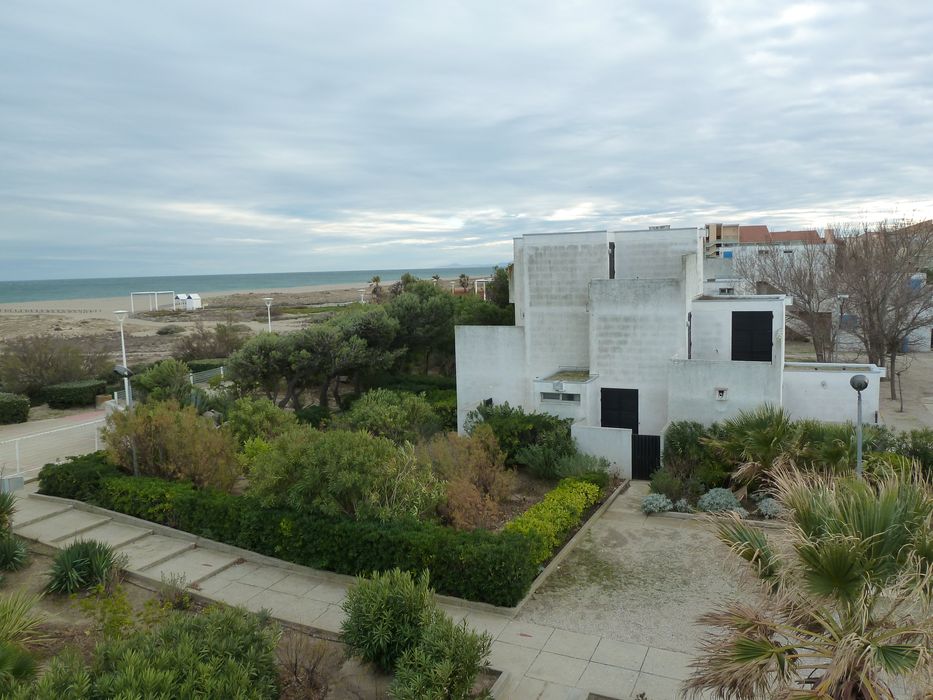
<point x="881" y="269"/>
<point x="808" y="275"/>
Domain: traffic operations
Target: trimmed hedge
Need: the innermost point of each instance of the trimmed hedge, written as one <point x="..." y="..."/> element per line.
<point x="14" y="408"/>
<point x="549" y="522"/>
<point x="203" y="365"/>
<point x="68" y="394"/>
<point x="490" y="567"/>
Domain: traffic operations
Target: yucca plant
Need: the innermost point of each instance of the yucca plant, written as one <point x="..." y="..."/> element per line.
<point x="83" y="565"/>
<point x="846" y="602"/>
<point x="19" y="621"/>
<point x="7" y="508"/>
<point x="16" y="666"/>
<point x="753" y="440"/>
<point x="13" y="552"/>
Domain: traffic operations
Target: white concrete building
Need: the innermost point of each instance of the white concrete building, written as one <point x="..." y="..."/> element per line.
<point x="613" y="329"/>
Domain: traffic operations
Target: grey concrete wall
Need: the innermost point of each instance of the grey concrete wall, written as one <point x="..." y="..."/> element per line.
<point x="655" y="254"/>
<point x="822" y="391"/>
<point x="711" y="326"/>
<point x="637" y="327"/>
<point x="490" y="364"/>
<point x="694" y="386"/>
<point x="615" y="444"/>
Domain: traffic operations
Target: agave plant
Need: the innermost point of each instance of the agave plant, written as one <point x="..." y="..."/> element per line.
<point x="7" y="508"/>
<point x="83" y="565"/>
<point x="754" y="440"/>
<point x="19" y="621"/>
<point x="845" y="606"/>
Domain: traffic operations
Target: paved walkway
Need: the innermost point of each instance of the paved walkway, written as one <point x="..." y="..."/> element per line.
<point x="543" y="662"/>
<point x="36" y="443"/>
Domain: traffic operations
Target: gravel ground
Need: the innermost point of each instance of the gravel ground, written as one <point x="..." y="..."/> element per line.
<point x="638" y="579"/>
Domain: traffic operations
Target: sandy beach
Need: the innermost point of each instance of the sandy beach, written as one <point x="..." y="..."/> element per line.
<point x="93" y="321"/>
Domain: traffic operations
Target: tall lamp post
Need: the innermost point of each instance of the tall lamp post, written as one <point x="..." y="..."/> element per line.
<point x="121" y="317"/>
<point x="268" y="301"/>
<point x="859" y="382"/>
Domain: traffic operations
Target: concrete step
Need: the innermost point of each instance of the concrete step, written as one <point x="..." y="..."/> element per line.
<point x="195" y="565"/>
<point x="30" y="510"/>
<point x="114" y="533"/>
<point x="61" y="525"/>
<point x="152" y="549"/>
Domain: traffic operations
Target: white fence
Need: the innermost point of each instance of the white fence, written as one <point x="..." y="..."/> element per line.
<point x="26" y="455"/>
<point x="194" y="378"/>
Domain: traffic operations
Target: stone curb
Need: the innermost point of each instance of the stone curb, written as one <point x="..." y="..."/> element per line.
<point x="710" y="517"/>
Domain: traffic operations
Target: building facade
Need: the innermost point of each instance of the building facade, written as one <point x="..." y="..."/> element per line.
<point x="618" y="331"/>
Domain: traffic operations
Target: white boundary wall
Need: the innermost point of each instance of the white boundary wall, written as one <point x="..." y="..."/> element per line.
<point x="615" y="444"/>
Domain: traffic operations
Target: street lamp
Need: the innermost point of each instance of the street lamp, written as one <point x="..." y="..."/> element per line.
<point x="268" y="301"/>
<point x="859" y="382"/>
<point x="121" y="317"/>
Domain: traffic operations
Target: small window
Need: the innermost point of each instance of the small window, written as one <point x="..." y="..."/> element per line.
<point x="575" y="398"/>
<point x="549" y="396"/>
<point x="554" y="396"/>
<point x="788" y="252"/>
<point x="727" y="291"/>
<point x="764" y="251"/>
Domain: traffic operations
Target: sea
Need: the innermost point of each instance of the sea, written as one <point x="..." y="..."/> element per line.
<point x="93" y="288"/>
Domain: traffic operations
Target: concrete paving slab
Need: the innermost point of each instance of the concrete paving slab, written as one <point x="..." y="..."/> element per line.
<point x="535" y="689"/>
<point x="517" y="660"/>
<point x="579" y="646"/>
<point x="486" y="622"/>
<point x="671" y="664"/>
<point x="194" y="565"/>
<point x="29" y="510"/>
<point x="611" y="681"/>
<point x="262" y="576"/>
<point x="526" y="634"/>
<point x="556" y="668"/>
<point x="656" y="686"/>
<point x="152" y="549"/>
<point x="328" y="592"/>
<point x="112" y="532"/>
<point x="296" y="584"/>
<point x="286" y="606"/>
<point x="61" y="526"/>
<point x="330" y="620"/>
<point x="622" y="654"/>
<point x="236" y="593"/>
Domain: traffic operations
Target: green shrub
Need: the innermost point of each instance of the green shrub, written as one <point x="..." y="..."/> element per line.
<point x="79" y="478"/>
<point x="385" y="615"/>
<point x="549" y="522"/>
<point x="683" y="440"/>
<point x="491" y="567"/>
<point x="397" y="416"/>
<point x="13" y="552"/>
<point x="170" y="329"/>
<point x="69" y="394"/>
<point x="315" y="416"/>
<point x="444" y="664"/>
<point x="583" y="465"/>
<point x="258" y="418"/>
<point x="414" y="383"/>
<point x="17" y="666"/>
<point x="203" y="365"/>
<point x="83" y="565"/>
<point x="656" y="503"/>
<point x="667" y="484"/>
<point x="515" y="429"/>
<point x="769" y="508"/>
<point x="14" y="408"/>
<point x="918" y="445"/>
<point x="167" y="380"/>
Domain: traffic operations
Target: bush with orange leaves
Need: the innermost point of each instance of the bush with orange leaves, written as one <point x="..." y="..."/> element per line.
<point x="477" y="479"/>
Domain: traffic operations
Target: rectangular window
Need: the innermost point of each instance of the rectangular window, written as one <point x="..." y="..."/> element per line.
<point x="548" y="396"/>
<point x="554" y="396"/>
<point x="751" y="335"/>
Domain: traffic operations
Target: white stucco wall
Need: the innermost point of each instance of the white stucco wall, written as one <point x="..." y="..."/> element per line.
<point x="823" y="392"/>
<point x="694" y="386"/>
<point x="711" y="325"/>
<point x="615" y="444"/>
<point x="636" y="327"/>
<point x="655" y="254"/>
<point x="490" y="364"/>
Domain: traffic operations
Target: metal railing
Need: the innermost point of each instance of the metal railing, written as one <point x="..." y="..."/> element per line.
<point x="193" y="378"/>
<point x="30" y="453"/>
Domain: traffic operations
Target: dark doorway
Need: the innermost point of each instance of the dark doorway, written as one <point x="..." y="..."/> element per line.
<point x="751" y="335"/>
<point x="619" y="409"/>
<point x="646" y="455"/>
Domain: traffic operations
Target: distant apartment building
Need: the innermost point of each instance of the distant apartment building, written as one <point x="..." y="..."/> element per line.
<point x="619" y="331"/>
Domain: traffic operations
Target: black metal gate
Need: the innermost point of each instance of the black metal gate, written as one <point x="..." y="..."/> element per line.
<point x="646" y="455"/>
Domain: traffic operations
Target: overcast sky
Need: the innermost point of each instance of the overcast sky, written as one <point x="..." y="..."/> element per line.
<point x="177" y="137"/>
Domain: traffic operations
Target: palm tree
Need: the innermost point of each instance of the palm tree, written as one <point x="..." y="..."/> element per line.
<point x="464" y="281"/>
<point x="845" y="599"/>
<point x="753" y="441"/>
<point x="375" y="289"/>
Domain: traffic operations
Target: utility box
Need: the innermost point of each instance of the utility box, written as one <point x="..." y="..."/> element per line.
<point x="9" y="484"/>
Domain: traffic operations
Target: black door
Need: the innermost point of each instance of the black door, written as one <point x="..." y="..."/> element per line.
<point x="619" y="409"/>
<point x="646" y="455"/>
<point x="751" y="335"/>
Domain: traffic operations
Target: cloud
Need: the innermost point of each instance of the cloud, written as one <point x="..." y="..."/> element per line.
<point x="206" y="137"/>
